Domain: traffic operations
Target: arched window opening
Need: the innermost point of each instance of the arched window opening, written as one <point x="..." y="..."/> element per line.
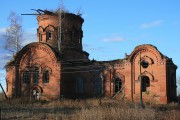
<point x="145" y="83"/>
<point x="26" y="77"/>
<point x="40" y="37"/>
<point x="36" y="75"/>
<point x="117" y="85"/>
<point x="46" y="76"/>
<point x="48" y="35"/>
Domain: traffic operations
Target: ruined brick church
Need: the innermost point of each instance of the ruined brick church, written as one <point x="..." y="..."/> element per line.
<point x="56" y="66"/>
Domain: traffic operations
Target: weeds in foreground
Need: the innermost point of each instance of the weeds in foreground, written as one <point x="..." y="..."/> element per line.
<point x="87" y="109"/>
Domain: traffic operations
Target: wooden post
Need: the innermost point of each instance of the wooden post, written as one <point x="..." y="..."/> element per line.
<point x="110" y="82"/>
<point x="3" y="91"/>
<point x="141" y="102"/>
<point x="0" y="113"/>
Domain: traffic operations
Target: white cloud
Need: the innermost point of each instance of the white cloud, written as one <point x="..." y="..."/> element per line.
<point x="89" y="47"/>
<point x="7" y="56"/>
<point x="151" y="24"/>
<point x="96" y="48"/>
<point x="2" y="31"/>
<point x="114" y="39"/>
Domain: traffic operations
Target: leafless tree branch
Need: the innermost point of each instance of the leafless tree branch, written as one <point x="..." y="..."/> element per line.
<point x="14" y="33"/>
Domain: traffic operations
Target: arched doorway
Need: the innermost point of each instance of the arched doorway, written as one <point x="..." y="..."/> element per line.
<point x="36" y="92"/>
<point x="145" y="83"/>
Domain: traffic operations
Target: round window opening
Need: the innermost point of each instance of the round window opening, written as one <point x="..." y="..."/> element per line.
<point x="144" y="64"/>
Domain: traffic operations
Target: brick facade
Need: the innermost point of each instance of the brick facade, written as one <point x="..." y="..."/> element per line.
<point x="56" y="66"/>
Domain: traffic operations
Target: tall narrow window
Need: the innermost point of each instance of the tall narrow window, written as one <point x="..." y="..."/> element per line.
<point x="46" y="76"/>
<point x="117" y="85"/>
<point x="6" y="85"/>
<point x="36" y="76"/>
<point x="48" y="35"/>
<point x="26" y="77"/>
<point x="40" y="37"/>
<point x="145" y="83"/>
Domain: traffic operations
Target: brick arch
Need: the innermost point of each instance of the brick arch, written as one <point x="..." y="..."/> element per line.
<point x="47" y="68"/>
<point x="145" y="48"/>
<point x="26" y="69"/>
<point x="148" y="59"/>
<point x="31" y="68"/>
<point x="36" y="45"/>
<point x="37" y="87"/>
<point x="50" y="27"/>
<point x="145" y="73"/>
<point x="118" y="75"/>
<point x="40" y="29"/>
<point x="36" y="66"/>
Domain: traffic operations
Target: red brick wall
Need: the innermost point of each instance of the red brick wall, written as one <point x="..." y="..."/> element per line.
<point x="10" y="77"/>
<point x="156" y="72"/>
<point x="41" y="56"/>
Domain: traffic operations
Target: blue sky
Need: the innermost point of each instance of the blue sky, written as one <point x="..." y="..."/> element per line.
<point x="111" y="28"/>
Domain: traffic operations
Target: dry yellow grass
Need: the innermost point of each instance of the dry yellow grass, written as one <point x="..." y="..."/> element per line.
<point x="87" y="109"/>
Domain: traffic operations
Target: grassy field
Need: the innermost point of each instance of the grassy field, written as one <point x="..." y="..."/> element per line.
<point x="89" y="109"/>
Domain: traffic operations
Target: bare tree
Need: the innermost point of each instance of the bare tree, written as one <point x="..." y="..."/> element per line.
<point x="14" y="33"/>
